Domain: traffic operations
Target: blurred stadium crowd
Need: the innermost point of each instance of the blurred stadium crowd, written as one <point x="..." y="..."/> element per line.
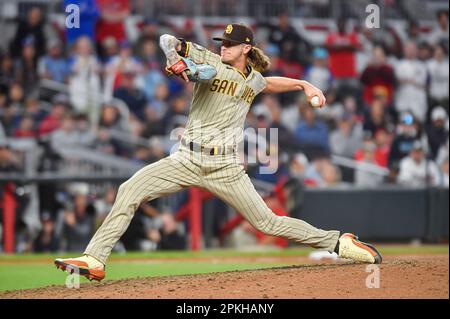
<point x="387" y="106"/>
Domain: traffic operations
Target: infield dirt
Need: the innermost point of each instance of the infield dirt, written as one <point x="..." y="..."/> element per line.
<point x="399" y="277"/>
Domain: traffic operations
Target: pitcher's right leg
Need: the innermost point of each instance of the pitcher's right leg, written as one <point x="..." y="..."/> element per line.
<point x="164" y="177"/>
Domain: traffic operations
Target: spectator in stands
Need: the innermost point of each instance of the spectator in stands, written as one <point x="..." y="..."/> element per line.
<point x="25" y="66"/>
<point x="319" y="74"/>
<point x="6" y="69"/>
<point x="291" y="113"/>
<point x="383" y="141"/>
<point x="273" y="52"/>
<point x="113" y="14"/>
<point x="16" y="96"/>
<point x="32" y="27"/>
<point x="119" y="65"/>
<point x="417" y="170"/>
<point x="168" y="236"/>
<point x="437" y="132"/>
<point x="413" y="32"/>
<point x="66" y="135"/>
<point x="11" y="107"/>
<point x="321" y="173"/>
<point x="109" y="49"/>
<point x="158" y="105"/>
<point x="408" y="130"/>
<point x="89" y="15"/>
<point x="9" y="162"/>
<point x="438" y="71"/>
<point x="86" y="135"/>
<point x="378" y="74"/>
<point x="53" y="120"/>
<point x="110" y="118"/>
<point x="440" y="34"/>
<point x="424" y="52"/>
<point x="290" y="43"/>
<point x="47" y="241"/>
<point x="133" y="97"/>
<point x="105" y="143"/>
<point x="311" y="132"/>
<point x="151" y="56"/>
<point x="331" y="175"/>
<point x="298" y="166"/>
<point x="112" y="124"/>
<point x="377" y="117"/>
<point x="53" y="65"/>
<point x="26" y="128"/>
<point x="347" y="139"/>
<point x="342" y="46"/>
<point x="79" y="219"/>
<point x="412" y="77"/>
<point x="362" y="176"/>
<point x="382" y="144"/>
<point x="149" y="32"/>
<point x="84" y="80"/>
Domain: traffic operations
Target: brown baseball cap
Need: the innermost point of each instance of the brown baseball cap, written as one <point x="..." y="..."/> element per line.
<point x="237" y="32"/>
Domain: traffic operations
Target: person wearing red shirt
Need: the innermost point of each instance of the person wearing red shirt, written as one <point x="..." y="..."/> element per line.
<point x="111" y="23"/>
<point x="26" y="128"/>
<point x="342" y="46"/>
<point x="53" y="121"/>
<point x="378" y="75"/>
<point x="382" y="141"/>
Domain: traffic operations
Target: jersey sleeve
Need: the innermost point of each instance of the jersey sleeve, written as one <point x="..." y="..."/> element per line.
<point x="197" y="53"/>
<point x="260" y="82"/>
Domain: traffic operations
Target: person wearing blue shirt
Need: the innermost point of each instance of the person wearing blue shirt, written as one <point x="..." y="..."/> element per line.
<point x="54" y="65"/>
<point x="311" y="132"/>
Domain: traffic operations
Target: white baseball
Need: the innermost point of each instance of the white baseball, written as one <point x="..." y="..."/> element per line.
<point x="315" y="101"/>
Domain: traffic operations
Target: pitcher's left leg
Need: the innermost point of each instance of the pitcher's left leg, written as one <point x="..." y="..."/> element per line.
<point x="233" y="186"/>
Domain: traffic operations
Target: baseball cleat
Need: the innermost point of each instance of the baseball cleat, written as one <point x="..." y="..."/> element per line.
<point x="86" y="266"/>
<point x="350" y="247"/>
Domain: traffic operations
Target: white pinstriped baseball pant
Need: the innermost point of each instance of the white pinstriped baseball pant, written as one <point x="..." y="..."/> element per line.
<point x="221" y="175"/>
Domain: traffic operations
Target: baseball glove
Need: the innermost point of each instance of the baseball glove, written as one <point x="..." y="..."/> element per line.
<point x="194" y="72"/>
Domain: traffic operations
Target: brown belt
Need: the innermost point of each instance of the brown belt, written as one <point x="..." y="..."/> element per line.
<point x="209" y="150"/>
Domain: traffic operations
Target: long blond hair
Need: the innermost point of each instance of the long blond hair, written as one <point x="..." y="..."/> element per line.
<point x="258" y="60"/>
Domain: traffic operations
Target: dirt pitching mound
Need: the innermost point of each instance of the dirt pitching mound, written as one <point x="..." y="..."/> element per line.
<point x="399" y="277"/>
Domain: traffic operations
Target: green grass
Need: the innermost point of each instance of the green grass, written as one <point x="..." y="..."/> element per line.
<point x="37" y="270"/>
<point x="27" y="276"/>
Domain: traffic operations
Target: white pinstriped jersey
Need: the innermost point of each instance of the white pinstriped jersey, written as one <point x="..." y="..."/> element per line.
<point x="219" y="107"/>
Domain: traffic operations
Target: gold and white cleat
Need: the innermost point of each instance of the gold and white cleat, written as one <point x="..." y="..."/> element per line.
<point x="350" y="247"/>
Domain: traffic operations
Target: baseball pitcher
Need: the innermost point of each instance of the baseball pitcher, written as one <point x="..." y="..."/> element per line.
<point x="225" y="86"/>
